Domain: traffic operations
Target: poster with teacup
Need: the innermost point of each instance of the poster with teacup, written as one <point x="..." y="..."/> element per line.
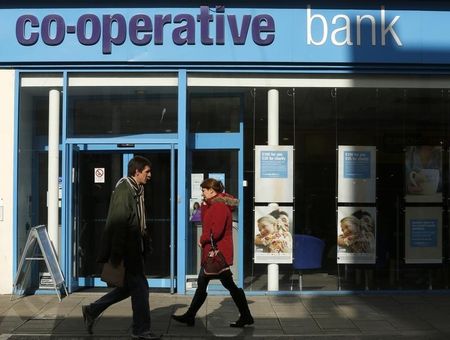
<point x="356" y="174"/>
<point x="423" y="234"/>
<point x="356" y="235"/>
<point x="273" y="233"/>
<point x="423" y="174"/>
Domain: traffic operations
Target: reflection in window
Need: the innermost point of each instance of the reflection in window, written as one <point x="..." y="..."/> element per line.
<point x="116" y="110"/>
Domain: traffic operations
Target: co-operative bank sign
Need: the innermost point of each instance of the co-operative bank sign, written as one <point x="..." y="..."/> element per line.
<point x="218" y="34"/>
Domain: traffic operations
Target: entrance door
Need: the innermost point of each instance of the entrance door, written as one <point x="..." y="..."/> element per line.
<point x="95" y="174"/>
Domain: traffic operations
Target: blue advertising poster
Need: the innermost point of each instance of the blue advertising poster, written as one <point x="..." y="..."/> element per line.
<point x="274" y="164"/>
<point x="357" y="164"/>
<point x="423" y="232"/>
<point x="274" y="172"/>
<point x="357" y="174"/>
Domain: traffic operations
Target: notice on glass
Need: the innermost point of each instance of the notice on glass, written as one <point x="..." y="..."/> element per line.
<point x="356" y="235"/>
<point x="196" y="191"/>
<point x="423" y="235"/>
<point x="274" y="174"/>
<point x="273" y="234"/>
<point x="423" y="174"/>
<point x="357" y="174"/>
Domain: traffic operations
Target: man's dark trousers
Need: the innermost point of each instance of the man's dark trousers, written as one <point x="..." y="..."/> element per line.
<point x="136" y="286"/>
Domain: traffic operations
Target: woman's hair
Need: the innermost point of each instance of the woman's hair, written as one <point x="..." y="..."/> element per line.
<point x="211" y="183"/>
<point x="196" y="205"/>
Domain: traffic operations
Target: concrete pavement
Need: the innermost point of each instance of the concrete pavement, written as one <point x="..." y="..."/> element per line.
<point x="407" y="316"/>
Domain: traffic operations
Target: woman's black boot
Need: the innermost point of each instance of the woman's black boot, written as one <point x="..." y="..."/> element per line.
<point x="241" y="302"/>
<point x="189" y="317"/>
<point x="186" y="318"/>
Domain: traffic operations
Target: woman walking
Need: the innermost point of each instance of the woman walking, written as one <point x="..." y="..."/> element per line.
<point x="216" y="214"/>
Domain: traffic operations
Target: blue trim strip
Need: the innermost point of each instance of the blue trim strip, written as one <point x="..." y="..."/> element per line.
<point x="114" y="147"/>
<point x="221" y="141"/>
<point x="182" y="202"/>
<point x="135" y="139"/>
<point x="172" y="218"/>
<point x="241" y="206"/>
<point x="96" y="282"/>
<point x="66" y="235"/>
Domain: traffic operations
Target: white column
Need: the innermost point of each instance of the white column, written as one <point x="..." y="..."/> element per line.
<point x="53" y="168"/>
<point x="272" y="140"/>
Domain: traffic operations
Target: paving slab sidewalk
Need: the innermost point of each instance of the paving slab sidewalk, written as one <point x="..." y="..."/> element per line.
<point x="419" y="316"/>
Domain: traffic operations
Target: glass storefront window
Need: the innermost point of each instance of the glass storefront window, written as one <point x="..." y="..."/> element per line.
<point x="121" y="104"/>
<point x="214" y="109"/>
<point x="32" y="156"/>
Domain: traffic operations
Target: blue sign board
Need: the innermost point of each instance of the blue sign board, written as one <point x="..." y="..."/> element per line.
<point x="357" y="164"/>
<point x="274" y="164"/>
<point x="373" y="33"/>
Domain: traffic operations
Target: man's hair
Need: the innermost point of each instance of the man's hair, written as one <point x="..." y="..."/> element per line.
<point x="137" y="163"/>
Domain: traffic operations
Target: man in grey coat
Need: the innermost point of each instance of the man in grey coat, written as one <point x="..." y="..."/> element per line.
<point x="125" y="241"/>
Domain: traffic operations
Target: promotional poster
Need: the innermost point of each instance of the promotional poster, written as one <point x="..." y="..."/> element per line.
<point x="274" y="173"/>
<point x="356" y="235"/>
<point x="423" y="174"/>
<point x="423" y="235"/>
<point x="357" y="174"/>
<point x="273" y="234"/>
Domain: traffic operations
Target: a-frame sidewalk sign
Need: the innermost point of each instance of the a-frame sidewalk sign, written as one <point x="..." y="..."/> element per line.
<point x="38" y="248"/>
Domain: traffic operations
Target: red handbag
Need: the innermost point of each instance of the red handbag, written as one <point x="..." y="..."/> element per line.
<point x="215" y="262"/>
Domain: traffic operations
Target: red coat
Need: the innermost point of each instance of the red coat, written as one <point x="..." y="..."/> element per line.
<point x="217" y="219"/>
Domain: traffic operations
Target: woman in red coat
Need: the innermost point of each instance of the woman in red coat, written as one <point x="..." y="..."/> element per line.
<point x="217" y="222"/>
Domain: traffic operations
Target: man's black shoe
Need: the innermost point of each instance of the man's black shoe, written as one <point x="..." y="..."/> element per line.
<point x="88" y="318"/>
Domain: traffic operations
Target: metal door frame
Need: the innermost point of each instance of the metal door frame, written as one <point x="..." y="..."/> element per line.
<point x="74" y="283"/>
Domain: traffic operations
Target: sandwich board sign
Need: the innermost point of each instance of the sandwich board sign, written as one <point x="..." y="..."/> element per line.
<point x="38" y="248"/>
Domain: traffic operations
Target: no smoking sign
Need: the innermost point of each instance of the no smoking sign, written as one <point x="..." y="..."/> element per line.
<point x="99" y="175"/>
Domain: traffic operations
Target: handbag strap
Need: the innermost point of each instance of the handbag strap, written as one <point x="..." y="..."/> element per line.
<point x="213" y="246"/>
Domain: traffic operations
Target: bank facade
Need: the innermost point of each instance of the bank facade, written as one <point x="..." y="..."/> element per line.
<point x="361" y="96"/>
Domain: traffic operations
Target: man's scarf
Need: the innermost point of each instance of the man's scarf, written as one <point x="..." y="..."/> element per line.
<point x="138" y="190"/>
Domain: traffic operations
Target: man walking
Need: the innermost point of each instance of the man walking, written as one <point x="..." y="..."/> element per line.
<point x="125" y="240"/>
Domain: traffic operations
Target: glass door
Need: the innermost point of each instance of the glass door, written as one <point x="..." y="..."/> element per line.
<point x="94" y="176"/>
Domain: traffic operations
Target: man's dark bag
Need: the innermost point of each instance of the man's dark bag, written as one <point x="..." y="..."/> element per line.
<point x="113" y="276"/>
<point x="215" y="262"/>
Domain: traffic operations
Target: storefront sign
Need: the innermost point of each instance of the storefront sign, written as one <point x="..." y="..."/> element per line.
<point x="225" y="34"/>
<point x="142" y="29"/>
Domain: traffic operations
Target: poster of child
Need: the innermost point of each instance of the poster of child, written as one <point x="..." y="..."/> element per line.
<point x="356" y="238"/>
<point x="273" y="234"/>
